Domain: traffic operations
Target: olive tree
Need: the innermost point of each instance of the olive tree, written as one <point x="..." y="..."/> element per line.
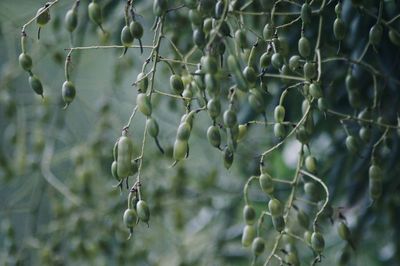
<point x="200" y="132"/>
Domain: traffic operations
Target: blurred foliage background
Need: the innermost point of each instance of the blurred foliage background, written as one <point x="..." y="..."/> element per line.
<point x="59" y="205"/>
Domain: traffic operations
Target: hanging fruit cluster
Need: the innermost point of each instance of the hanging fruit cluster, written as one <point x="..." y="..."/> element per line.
<point x="235" y="74"/>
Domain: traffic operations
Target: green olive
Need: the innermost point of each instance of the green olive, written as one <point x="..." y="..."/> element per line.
<point x="302" y="135"/>
<point x="294" y="62"/>
<point x="44" y="16"/>
<point x="124" y="157"/>
<point x="94" y="11"/>
<point x="375" y="188"/>
<point x="279" y="130"/>
<point x="375" y="34"/>
<point x="240" y="38"/>
<point x="304" y="47"/>
<point x="142" y="82"/>
<point x="249" y="233"/>
<point x="130" y="218"/>
<point x="365" y="134"/>
<point x="394" y="37"/>
<point x="242" y="132"/>
<point x="114" y="171"/>
<point x="265" y="60"/>
<point x="268" y="31"/>
<point x="339" y="29"/>
<point x="278" y="222"/>
<point x="317" y="242"/>
<point x="36" y="84"/>
<point x="136" y="29"/>
<point x="365" y="114"/>
<point x="352" y="144"/>
<point x="277" y="60"/>
<point x="249" y="214"/>
<point x="143" y="211"/>
<point x="279" y="113"/>
<point x="315" y="90"/>
<point x="355" y="99"/>
<point x="71" y="20"/>
<point x="230" y="118"/>
<point x="250" y="74"/>
<point x="306" y="13"/>
<point x="152" y="127"/>
<point x="195" y="17"/>
<point x="180" y="149"/>
<point x="176" y="84"/>
<point x="207" y="25"/>
<point x="312" y="191"/>
<point x="68" y="92"/>
<point x="310" y="70"/>
<point x="275" y="207"/>
<point x="322" y="104"/>
<point x="144" y="104"/>
<point x="266" y="183"/>
<point x="258" y="246"/>
<point x="126" y="36"/>
<point x="311" y="164"/>
<point x="25" y="61"/>
<point x="214" y="107"/>
<point x="375" y="172"/>
<point x="228" y="157"/>
<point x="214" y="136"/>
<point x="199" y="39"/>
<point x="183" y="132"/>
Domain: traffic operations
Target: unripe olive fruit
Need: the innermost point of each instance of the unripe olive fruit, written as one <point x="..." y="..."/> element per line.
<point x="304" y="47"/>
<point x="249" y="214"/>
<point x="214" y="136"/>
<point x="129" y="218"/>
<point x="249" y="232"/>
<point x="311" y="164"/>
<point x="71" y="20"/>
<point x="94" y="11"/>
<point x="266" y="183"/>
<point x="136" y="29"/>
<point x="25" y="61"/>
<point x="176" y="84"/>
<point x="143" y="211"/>
<point x="339" y="29"/>
<point x="68" y="92"/>
<point x="36" y="84"/>
<point x="275" y="207"/>
<point x="258" y="246"/>
<point x="317" y="242"/>
<point x="126" y="36"/>
<point x="279" y="113"/>
<point x="144" y="104"/>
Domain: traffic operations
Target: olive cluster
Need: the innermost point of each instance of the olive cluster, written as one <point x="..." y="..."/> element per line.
<point x="229" y="73"/>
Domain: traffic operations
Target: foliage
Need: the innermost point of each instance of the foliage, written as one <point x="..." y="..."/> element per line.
<point x="206" y="132"/>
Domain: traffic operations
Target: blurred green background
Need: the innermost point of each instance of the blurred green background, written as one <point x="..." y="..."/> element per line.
<point x="58" y="205"/>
